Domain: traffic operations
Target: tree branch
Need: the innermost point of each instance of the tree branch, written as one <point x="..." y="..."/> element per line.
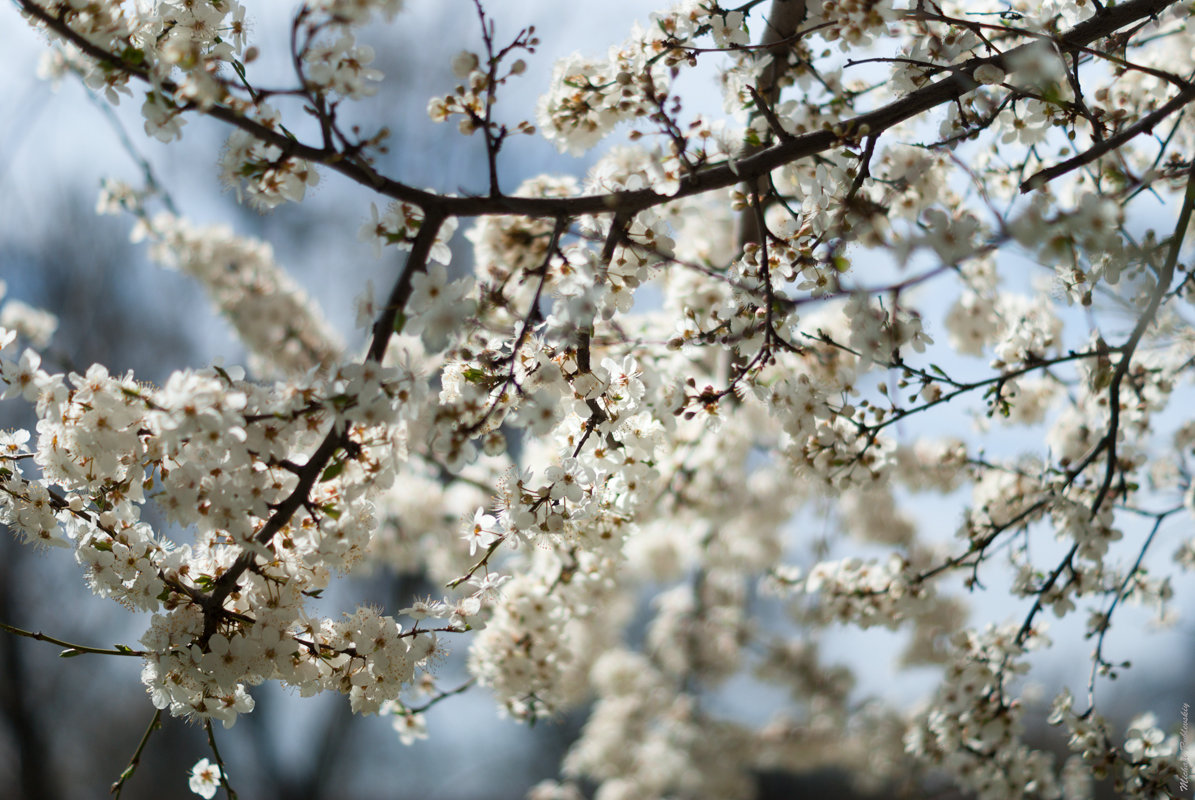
<point x="335" y="439"/>
<point x="1115" y="142"/>
<point x="717" y="176"/>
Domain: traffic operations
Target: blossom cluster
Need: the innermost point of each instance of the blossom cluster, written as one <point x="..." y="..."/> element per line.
<point x="628" y="406"/>
<point x="274" y="318"/>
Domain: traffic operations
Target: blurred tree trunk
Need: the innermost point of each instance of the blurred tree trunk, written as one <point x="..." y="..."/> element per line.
<point x="34" y="780"/>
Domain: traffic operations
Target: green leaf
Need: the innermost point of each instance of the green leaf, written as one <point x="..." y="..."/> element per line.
<point x="71" y="652"/>
<point x="332" y="470"/>
<point x="474" y="375"/>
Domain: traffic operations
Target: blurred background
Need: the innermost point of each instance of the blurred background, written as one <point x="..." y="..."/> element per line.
<point x="68" y="728"/>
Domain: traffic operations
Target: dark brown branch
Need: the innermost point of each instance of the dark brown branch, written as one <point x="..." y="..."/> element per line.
<point x="211" y="742"/>
<point x="533" y="313"/>
<point x="336" y="438"/>
<point x="72" y="649"/>
<point x="713" y="177"/>
<point x="416" y="263"/>
<point x="1112" y="143"/>
<point x="1098" y="661"/>
<point x="155" y="723"/>
<point x="1165" y="278"/>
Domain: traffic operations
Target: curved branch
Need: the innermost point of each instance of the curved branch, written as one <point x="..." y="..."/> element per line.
<point x="1143" y="125"/>
<point x="72" y="649"/>
<point x="717" y="176"/>
<point x="335" y="439"/>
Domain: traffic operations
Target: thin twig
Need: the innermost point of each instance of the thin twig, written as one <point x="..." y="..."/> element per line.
<point x="155" y="723"/>
<point x="211" y="741"/>
<point x="72" y="649"/>
<point x="1108" y="145"/>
